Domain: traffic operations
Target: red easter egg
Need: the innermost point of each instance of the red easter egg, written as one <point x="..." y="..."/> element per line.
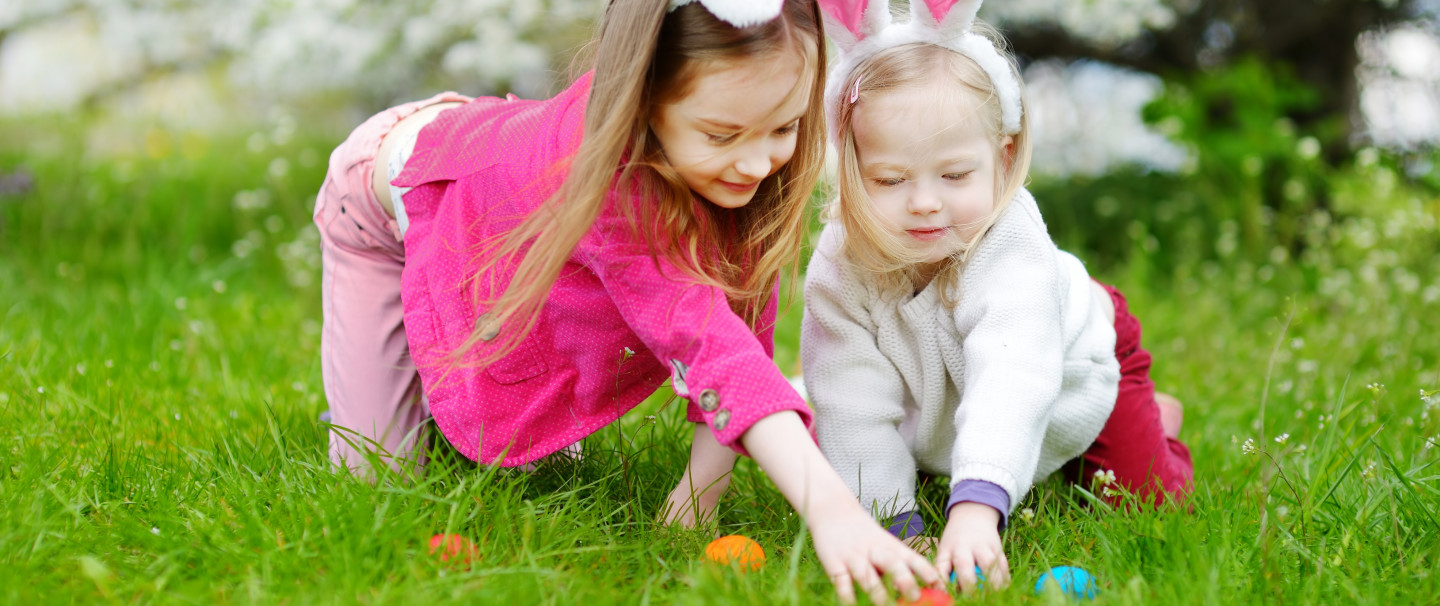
<point x="452" y="547"/>
<point x="929" y="597"/>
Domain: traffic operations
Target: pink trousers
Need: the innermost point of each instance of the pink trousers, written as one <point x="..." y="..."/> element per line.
<point x="376" y="404"/>
<point x="1150" y="465"/>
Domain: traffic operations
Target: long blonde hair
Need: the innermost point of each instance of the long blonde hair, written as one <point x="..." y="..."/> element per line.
<point x="870" y="245"/>
<point x="645" y="54"/>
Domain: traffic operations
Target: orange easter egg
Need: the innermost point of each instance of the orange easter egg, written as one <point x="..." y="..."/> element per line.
<point x="738" y="549"/>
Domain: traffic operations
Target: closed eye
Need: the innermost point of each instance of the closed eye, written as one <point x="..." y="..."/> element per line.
<point x="788" y="129"/>
<point x="888" y="181"/>
<point x="958" y="176"/>
<point x="719" y="139"/>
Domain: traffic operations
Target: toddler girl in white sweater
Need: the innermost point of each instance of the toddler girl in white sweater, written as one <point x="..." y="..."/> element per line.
<point x="944" y="332"/>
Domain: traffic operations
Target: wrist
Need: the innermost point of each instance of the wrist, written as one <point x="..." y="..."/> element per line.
<point x="970" y="512"/>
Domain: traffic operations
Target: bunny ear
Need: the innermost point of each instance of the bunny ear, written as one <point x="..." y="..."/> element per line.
<point x="848" y="22"/>
<point x="947" y="16"/>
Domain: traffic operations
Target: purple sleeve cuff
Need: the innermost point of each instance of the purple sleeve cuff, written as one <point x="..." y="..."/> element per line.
<point x="984" y="493"/>
<point x="908" y="524"/>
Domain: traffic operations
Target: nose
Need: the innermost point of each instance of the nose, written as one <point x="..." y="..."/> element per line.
<point x="924" y="201"/>
<point x="754" y="163"/>
<point x="761" y="156"/>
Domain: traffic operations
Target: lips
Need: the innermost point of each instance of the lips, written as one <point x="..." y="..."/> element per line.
<point x="738" y="187"/>
<point x="929" y="234"/>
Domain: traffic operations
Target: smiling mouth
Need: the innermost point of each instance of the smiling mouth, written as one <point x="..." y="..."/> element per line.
<point x="740" y="188"/>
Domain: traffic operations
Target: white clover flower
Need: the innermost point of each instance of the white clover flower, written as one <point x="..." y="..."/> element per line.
<point x="1027" y="514"/>
<point x="155" y="530"/>
<point x="1105" y="477"/>
<point x="1282" y="438"/>
<point x="1369" y="470"/>
<point x="1248" y="447"/>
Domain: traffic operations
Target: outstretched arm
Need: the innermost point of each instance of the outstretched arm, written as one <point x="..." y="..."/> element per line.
<point x="852" y="546"/>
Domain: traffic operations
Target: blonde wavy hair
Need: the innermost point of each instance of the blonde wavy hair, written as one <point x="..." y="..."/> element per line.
<point x="873" y="247"/>
<point x="646" y="54"/>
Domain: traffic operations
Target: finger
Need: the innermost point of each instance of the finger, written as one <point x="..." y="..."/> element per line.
<point x="870" y="581"/>
<point x="844" y="587"/>
<point x="899" y="570"/>
<point x="985" y="561"/>
<point x="943" y="565"/>
<point x="1003" y="564"/>
<point x="924" y="571"/>
<point x="965" y="571"/>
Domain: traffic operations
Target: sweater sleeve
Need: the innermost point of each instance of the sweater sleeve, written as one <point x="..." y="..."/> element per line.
<point x="857" y="393"/>
<point x="1013" y="351"/>
<point x="715" y="359"/>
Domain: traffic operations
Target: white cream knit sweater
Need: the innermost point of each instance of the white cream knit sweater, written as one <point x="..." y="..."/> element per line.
<point x="1018" y="378"/>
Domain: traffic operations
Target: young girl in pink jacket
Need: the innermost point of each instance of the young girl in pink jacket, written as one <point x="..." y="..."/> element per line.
<point x="527" y="271"/>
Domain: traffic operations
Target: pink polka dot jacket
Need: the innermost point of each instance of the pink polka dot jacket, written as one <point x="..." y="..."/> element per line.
<point x="616" y="324"/>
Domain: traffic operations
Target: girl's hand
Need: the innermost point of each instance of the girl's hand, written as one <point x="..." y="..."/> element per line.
<point x="855" y="550"/>
<point x="852" y="546"/>
<point x="707" y="476"/>
<point x="972" y="538"/>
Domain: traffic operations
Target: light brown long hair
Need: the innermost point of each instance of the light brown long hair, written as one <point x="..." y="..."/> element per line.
<point x="870" y="245"/>
<point x="646" y="54"/>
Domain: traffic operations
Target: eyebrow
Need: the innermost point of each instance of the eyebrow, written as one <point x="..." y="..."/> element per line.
<point x="721" y="124"/>
<point x="882" y="166"/>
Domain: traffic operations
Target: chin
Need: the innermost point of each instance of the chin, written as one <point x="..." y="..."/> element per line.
<point x="728" y="199"/>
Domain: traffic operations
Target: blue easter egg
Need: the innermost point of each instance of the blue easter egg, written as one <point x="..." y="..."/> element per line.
<point x="978" y="575"/>
<point x="1073" y="582"/>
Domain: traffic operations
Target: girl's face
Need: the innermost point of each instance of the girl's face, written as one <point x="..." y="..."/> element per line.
<point x="701" y="133"/>
<point x="929" y="165"/>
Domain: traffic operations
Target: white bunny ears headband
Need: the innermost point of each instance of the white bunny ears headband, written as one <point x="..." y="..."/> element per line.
<point x="862" y="28"/>
<point x="739" y="13"/>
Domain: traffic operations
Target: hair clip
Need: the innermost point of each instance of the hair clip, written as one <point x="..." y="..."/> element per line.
<point x="855" y="91"/>
<point x="739" y="13"/>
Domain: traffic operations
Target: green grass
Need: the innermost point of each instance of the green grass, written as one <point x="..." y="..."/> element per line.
<point x="159" y="388"/>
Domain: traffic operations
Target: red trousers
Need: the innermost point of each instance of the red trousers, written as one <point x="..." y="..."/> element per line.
<point x="1133" y="444"/>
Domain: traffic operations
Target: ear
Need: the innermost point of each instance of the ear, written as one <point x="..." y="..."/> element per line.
<point x="949" y="17"/>
<point x="1006" y="150"/>
<point x="849" y="22"/>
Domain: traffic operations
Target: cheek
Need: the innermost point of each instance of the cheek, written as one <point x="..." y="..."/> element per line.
<point x="785" y="151"/>
<point x="888" y="204"/>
